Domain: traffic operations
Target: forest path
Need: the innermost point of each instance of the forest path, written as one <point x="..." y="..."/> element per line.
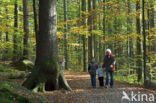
<point x="84" y="93"/>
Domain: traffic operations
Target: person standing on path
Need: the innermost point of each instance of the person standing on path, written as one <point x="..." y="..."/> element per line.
<point x="100" y="73"/>
<point x="92" y="71"/>
<point x="109" y="65"/>
<point x="62" y="62"/>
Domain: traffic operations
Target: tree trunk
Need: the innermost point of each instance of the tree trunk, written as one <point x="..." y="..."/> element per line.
<point x="15" y="47"/>
<point x="84" y="37"/>
<point x="7" y="37"/>
<point x="26" y="30"/>
<point x="65" y="35"/>
<point x="35" y="19"/>
<point x="47" y="74"/>
<point x="144" y="43"/>
<point x="90" y="38"/>
<point x="139" y="54"/>
<point x="104" y="28"/>
<point x="151" y="20"/>
<point x="94" y="43"/>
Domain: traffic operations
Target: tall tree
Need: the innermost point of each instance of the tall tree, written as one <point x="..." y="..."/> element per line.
<point x="65" y="35"/>
<point x="7" y="36"/>
<point x="144" y="43"/>
<point x="94" y="17"/>
<point x="47" y="74"/>
<point x="139" y="54"/>
<point x="104" y="26"/>
<point x="35" y="18"/>
<point x="26" y="29"/>
<point x="84" y="36"/>
<point x="90" y="38"/>
<point x="151" y="20"/>
<point x="15" y="47"/>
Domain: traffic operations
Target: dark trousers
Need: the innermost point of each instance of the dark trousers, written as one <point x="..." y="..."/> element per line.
<point x="107" y="78"/>
<point x="101" y="83"/>
<point x="93" y="80"/>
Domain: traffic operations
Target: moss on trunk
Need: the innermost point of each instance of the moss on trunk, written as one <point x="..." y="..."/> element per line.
<point x="47" y="76"/>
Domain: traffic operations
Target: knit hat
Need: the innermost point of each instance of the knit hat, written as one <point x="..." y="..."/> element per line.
<point x="108" y="50"/>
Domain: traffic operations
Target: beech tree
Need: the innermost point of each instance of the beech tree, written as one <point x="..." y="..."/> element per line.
<point x="46" y="74"/>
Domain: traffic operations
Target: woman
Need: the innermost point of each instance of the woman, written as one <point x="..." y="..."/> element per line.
<point x="109" y="66"/>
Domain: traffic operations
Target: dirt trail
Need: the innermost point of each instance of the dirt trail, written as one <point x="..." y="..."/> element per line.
<point x="84" y="93"/>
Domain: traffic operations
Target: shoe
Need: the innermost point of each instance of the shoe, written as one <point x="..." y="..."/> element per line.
<point x="106" y="86"/>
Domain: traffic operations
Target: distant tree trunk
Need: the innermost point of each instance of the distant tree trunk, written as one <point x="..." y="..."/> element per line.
<point x="144" y="44"/>
<point x="47" y="74"/>
<point x="26" y="30"/>
<point x="79" y="36"/>
<point x="139" y="54"/>
<point x="84" y="37"/>
<point x="151" y="20"/>
<point x="35" y="19"/>
<point x="65" y="35"/>
<point x="90" y="38"/>
<point x="15" y="47"/>
<point x="129" y="31"/>
<point x="7" y="37"/>
<point x="104" y="27"/>
<point x="95" y="28"/>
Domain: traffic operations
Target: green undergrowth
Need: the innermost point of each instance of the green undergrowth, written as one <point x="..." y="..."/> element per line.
<point x="24" y="65"/>
<point x="6" y="71"/>
<point x="13" y="93"/>
<point x="131" y="79"/>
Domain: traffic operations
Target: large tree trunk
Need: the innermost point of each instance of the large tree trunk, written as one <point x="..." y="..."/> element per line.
<point x="139" y="54"/>
<point x="26" y="29"/>
<point x="15" y="47"/>
<point x="65" y="35"/>
<point x="47" y="74"/>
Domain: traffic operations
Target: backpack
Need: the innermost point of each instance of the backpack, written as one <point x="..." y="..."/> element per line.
<point x="93" y="67"/>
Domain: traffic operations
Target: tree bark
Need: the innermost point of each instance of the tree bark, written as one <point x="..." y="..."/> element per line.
<point x="26" y="30"/>
<point x="90" y="38"/>
<point x="15" y="47"/>
<point x="65" y="35"/>
<point x="104" y="27"/>
<point x="84" y="23"/>
<point x="139" y="53"/>
<point x="144" y="44"/>
<point x="35" y="19"/>
<point x="47" y="74"/>
<point x="94" y="42"/>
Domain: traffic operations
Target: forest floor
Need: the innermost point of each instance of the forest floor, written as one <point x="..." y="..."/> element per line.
<point x="84" y="93"/>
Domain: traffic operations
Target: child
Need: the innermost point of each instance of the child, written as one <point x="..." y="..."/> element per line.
<point x="100" y="73"/>
<point x="92" y="71"/>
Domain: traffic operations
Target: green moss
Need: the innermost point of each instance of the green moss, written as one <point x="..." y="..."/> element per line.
<point x="51" y="66"/>
<point x="7" y="95"/>
<point x="13" y="93"/>
<point x="23" y="65"/>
